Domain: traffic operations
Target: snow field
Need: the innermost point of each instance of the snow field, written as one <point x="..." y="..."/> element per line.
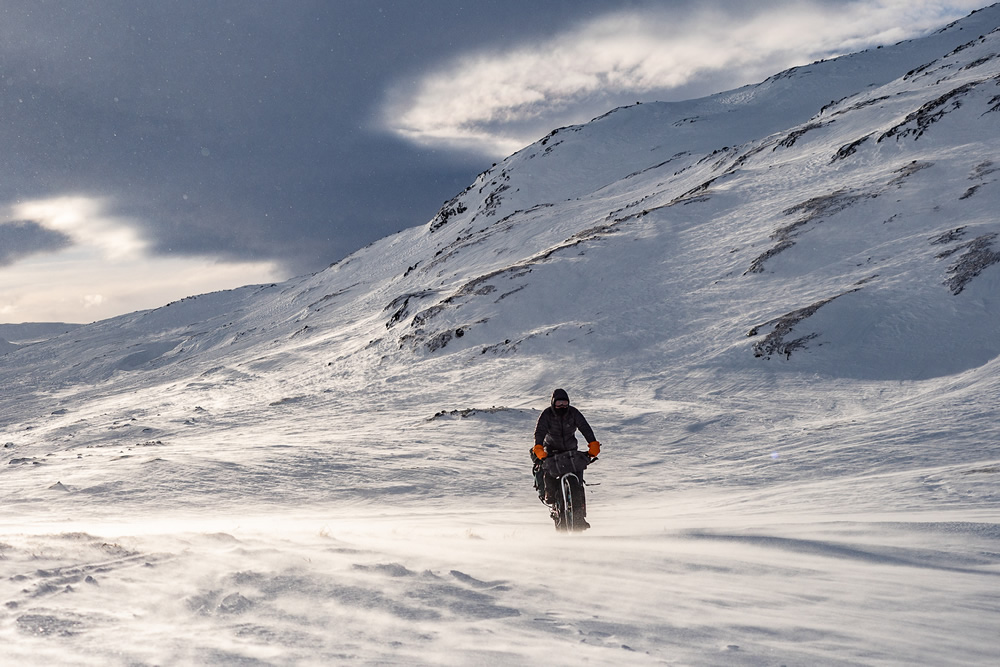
<point x="664" y="584"/>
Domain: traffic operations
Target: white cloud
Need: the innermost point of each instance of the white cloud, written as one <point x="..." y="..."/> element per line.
<point x="92" y="300"/>
<point x="84" y="221"/>
<point x="496" y="102"/>
<point x="108" y="270"/>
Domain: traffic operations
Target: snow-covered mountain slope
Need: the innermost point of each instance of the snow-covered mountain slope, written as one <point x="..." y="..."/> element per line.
<point x="6" y="346"/>
<point x="777" y="305"/>
<point x="34" y="332"/>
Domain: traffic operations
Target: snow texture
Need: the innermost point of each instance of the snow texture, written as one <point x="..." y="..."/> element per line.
<point x="778" y="307"/>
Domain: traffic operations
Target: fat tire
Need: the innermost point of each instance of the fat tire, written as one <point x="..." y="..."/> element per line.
<point x="572" y="516"/>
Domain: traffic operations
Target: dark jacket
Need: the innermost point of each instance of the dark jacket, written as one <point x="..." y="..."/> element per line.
<point x="556" y="429"/>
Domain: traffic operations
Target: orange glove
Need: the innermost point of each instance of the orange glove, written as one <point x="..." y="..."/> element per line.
<point x="595" y="448"/>
<point x="539" y="451"/>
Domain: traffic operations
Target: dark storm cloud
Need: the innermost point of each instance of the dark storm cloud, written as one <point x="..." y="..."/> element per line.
<point x="23" y="238"/>
<point x="241" y="129"/>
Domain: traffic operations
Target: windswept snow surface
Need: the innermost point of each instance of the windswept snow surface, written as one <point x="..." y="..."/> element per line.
<point x="777" y="306"/>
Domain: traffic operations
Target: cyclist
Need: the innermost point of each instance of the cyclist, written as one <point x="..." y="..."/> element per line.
<point x="555" y="433"/>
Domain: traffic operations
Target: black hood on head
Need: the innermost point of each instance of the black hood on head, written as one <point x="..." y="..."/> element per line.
<point x="558" y="395"/>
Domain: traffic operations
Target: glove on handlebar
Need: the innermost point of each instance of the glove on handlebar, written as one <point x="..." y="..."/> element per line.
<point x="539" y="451"/>
<point x="595" y="448"/>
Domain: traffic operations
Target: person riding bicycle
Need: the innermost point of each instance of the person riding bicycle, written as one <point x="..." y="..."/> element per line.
<point x="555" y="433"/>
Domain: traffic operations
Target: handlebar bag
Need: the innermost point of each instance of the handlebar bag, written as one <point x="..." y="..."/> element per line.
<point x="562" y="463"/>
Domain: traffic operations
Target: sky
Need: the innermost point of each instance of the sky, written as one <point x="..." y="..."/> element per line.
<point x="152" y="151"/>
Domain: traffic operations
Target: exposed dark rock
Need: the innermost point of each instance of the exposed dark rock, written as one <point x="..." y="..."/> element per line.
<point x="909" y="170"/>
<point x="862" y="105"/>
<point x="984" y="169"/>
<point x="794" y="136"/>
<point x="981" y="61"/>
<point x="775" y="342"/>
<point x="492" y="201"/>
<point x="917" y="122"/>
<point x="979" y="255"/>
<point x="971" y="191"/>
<point x="757" y="265"/>
<point x="850" y="149"/>
<point x="450" y="209"/>
<point x="918" y="70"/>
<point x="470" y="412"/>
<point x="812" y="209"/>
<point x="949" y="237"/>
<point x="401" y="305"/>
<point x="827" y="205"/>
<point x="439" y="341"/>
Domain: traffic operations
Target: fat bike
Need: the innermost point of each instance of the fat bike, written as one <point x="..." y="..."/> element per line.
<point x="568" y="509"/>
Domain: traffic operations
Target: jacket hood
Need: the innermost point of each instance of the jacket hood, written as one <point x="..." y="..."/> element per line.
<point x="558" y="395"/>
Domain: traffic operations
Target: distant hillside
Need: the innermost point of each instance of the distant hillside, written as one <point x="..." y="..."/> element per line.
<point x="33" y="332"/>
